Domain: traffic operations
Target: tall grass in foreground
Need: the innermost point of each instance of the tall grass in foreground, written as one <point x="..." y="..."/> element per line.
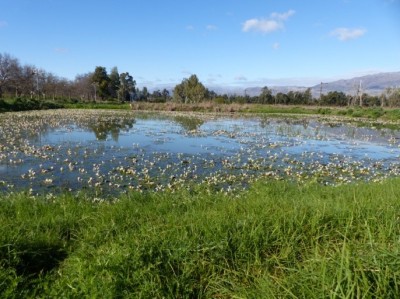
<point x="275" y="240"/>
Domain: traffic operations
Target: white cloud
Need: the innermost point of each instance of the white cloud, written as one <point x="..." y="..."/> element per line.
<point x="345" y="34"/>
<point x="211" y="27"/>
<point x="265" y="26"/>
<point x="3" y="24"/>
<point x="273" y="23"/>
<point x="276" y="46"/>
<point x="283" y="16"/>
<point x="189" y="27"/>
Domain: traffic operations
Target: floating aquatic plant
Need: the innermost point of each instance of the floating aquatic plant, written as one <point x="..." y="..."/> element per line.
<point x="110" y="152"/>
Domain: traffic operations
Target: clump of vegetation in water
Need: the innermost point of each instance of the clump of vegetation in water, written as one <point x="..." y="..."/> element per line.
<point x="109" y="152"/>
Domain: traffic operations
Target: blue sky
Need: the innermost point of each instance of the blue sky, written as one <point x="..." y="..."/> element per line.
<point x="223" y="42"/>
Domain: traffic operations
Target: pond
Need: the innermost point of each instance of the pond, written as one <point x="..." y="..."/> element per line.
<point x="108" y="152"/>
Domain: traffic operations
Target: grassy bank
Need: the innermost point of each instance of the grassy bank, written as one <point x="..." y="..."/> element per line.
<point x="26" y="104"/>
<point x="373" y="113"/>
<point x="105" y="105"/>
<point x="275" y="240"/>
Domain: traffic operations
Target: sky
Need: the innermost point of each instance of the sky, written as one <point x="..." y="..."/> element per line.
<point x="224" y="42"/>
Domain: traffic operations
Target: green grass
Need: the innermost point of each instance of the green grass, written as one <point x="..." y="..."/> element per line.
<point x="113" y="106"/>
<point x="276" y="240"/>
<point x="25" y="104"/>
<point x="271" y="109"/>
<point x="373" y="113"/>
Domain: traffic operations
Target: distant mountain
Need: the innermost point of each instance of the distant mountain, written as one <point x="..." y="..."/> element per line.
<point x="371" y="84"/>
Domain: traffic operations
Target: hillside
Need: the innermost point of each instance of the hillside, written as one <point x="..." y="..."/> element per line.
<point x="372" y="84"/>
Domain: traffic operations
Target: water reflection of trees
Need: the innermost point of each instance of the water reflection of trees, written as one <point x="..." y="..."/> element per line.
<point x="113" y="127"/>
<point x="31" y="129"/>
<point x="266" y="122"/>
<point x="189" y="123"/>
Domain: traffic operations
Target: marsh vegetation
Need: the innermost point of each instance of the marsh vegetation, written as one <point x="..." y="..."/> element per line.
<point x="109" y="152"/>
<point x="113" y="204"/>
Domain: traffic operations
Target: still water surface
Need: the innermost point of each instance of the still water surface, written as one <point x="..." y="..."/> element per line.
<point x="112" y="151"/>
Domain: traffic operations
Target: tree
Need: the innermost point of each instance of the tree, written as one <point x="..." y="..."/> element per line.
<point x="101" y="82"/>
<point x="9" y="68"/>
<point x="191" y="90"/>
<point x="392" y="96"/>
<point x="51" y="85"/>
<point x="266" y="96"/>
<point x="281" y="98"/>
<point x="24" y="84"/>
<point x="307" y="96"/>
<point x="114" y="82"/>
<point x="211" y="94"/>
<point x="126" y="88"/>
<point x="143" y="94"/>
<point x="165" y="94"/>
<point x="179" y="93"/>
<point x="371" y="101"/>
<point x="83" y="86"/>
<point x="334" y="98"/>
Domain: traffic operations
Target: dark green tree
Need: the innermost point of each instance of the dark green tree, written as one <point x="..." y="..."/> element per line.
<point x="211" y="94"/>
<point x="266" y="96"/>
<point x="334" y="98"/>
<point x="190" y="90"/>
<point x="126" y="90"/>
<point x="165" y="94"/>
<point x="101" y="82"/>
<point x="371" y="101"/>
<point x="307" y="97"/>
<point x="144" y="93"/>
<point x="114" y="82"/>
<point x="179" y="93"/>
<point x="282" y="98"/>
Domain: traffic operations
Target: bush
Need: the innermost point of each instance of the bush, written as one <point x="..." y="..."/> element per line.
<point x="3" y="105"/>
<point x="376" y="112"/>
<point x="324" y="111"/>
<point x="219" y="100"/>
<point x="51" y="105"/>
<point x="25" y="104"/>
<point x="22" y="104"/>
<point x="357" y="113"/>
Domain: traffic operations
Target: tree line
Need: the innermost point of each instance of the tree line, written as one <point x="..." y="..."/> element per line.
<point x="191" y="90"/>
<point x="28" y="81"/>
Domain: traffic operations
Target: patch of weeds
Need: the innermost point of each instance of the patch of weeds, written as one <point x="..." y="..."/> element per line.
<point x="324" y="111"/>
<point x="30" y="262"/>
